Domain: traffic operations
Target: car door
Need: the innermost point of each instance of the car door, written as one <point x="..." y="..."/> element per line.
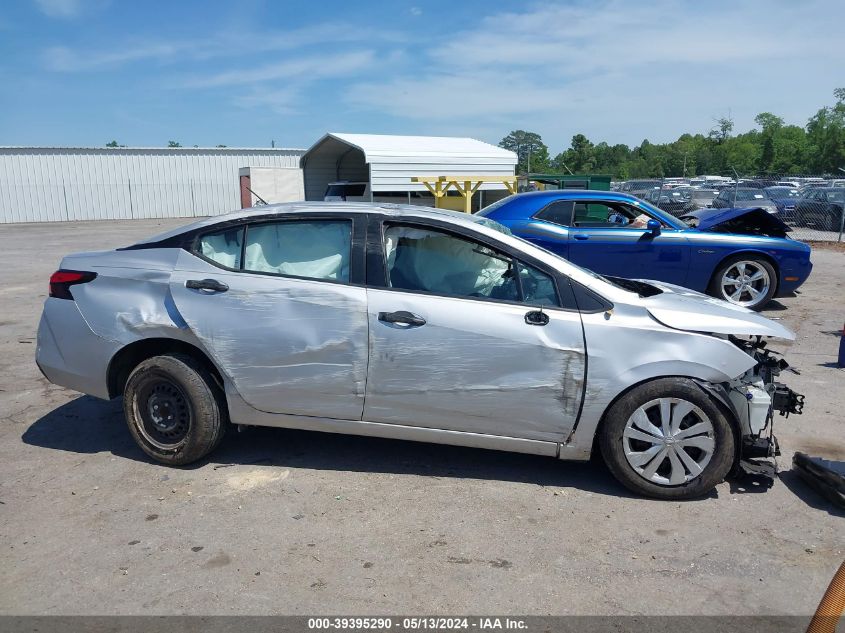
<point x="277" y="306"/>
<point x="464" y="337"/>
<point x="606" y="237"/>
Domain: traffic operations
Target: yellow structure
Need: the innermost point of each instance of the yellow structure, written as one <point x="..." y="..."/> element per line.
<point x="464" y="185"/>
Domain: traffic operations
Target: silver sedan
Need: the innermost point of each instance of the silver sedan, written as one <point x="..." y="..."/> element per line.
<point x="417" y="324"/>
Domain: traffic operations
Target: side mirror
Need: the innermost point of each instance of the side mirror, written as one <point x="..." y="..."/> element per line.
<point x="653" y="227"/>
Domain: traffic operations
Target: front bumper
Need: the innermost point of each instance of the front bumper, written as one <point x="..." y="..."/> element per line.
<point x="793" y="277"/>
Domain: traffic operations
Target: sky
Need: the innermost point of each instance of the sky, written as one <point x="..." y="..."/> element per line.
<point x="248" y="72"/>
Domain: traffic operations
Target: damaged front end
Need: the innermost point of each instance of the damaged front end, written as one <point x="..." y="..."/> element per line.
<point x="755" y="397"/>
<point x="751" y="221"/>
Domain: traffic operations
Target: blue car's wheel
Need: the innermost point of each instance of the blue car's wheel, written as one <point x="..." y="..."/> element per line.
<point x="745" y="280"/>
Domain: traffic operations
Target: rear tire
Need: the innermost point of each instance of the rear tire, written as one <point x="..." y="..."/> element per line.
<point x="175" y="411"/>
<point x="642" y="446"/>
<point x="738" y="278"/>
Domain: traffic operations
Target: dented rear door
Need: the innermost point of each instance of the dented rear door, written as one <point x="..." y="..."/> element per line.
<point x="288" y="345"/>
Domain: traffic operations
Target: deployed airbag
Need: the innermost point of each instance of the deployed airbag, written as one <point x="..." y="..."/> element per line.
<point x="436" y="262"/>
<point x="316" y="250"/>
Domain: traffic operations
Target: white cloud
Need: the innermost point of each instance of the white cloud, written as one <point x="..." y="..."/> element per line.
<point x="219" y="45"/>
<point x="619" y="71"/>
<point x="416" y="12"/>
<point x="67" y="9"/>
<point x="64" y="59"/>
<point x="283" y="101"/>
<point x="307" y="68"/>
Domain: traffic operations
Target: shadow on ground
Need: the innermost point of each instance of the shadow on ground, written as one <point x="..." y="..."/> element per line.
<point x="89" y="425"/>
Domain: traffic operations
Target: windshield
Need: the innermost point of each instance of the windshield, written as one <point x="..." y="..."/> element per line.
<point x="751" y="194"/>
<point x="837" y="195"/>
<point x="491" y="224"/>
<point x="492" y="207"/>
<point x="782" y="192"/>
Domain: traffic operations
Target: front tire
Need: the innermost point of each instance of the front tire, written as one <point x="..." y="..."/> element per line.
<point x="667" y="439"/>
<point x="175" y="411"/>
<point x="744" y="280"/>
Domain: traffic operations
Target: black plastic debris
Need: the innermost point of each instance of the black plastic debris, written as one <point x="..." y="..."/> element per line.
<point x="823" y="475"/>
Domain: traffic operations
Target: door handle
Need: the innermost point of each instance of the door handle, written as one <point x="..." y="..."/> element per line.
<point x="402" y="316"/>
<point x="536" y="317"/>
<point x="581" y="237"/>
<point x="206" y="284"/>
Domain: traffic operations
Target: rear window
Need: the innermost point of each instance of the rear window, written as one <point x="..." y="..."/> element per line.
<point x="223" y="247"/>
<point x="309" y="249"/>
<point x="492" y="207"/>
<point x="346" y="189"/>
<point x="317" y="249"/>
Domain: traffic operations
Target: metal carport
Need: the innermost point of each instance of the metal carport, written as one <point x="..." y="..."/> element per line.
<point x="390" y="162"/>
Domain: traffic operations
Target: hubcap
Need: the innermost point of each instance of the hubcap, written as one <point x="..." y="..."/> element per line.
<point x="165" y="413"/>
<point x="668" y="441"/>
<point x="745" y="283"/>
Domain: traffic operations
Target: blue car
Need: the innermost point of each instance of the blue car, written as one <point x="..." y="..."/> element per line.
<point x="741" y="255"/>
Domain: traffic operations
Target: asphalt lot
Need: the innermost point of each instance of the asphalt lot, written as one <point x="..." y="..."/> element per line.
<point x="282" y="521"/>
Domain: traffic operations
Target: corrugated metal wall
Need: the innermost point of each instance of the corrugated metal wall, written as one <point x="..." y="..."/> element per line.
<point x="55" y="184"/>
<point x="395" y="173"/>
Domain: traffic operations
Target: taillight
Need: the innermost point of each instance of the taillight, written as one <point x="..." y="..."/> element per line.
<point x="62" y="280"/>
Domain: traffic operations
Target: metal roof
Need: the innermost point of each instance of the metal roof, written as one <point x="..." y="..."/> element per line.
<point x="384" y="146"/>
<point x="43" y="148"/>
<point x="390" y="162"/>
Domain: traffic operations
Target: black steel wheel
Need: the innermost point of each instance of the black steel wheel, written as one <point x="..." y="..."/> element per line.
<point x="174" y="409"/>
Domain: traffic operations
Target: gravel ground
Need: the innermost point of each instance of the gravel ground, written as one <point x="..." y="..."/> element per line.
<point x="292" y="522"/>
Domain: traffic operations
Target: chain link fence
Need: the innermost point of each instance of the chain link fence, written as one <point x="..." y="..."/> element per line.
<point x="811" y="206"/>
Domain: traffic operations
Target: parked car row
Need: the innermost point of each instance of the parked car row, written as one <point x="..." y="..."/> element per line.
<point x="819" y="207"/>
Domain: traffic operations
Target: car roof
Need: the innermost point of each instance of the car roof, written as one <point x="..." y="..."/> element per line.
<point x="397" y="210"/>
<point x="575" y="194"/>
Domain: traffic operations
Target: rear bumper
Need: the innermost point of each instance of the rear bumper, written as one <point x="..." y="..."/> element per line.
<point x="68" y="353"/>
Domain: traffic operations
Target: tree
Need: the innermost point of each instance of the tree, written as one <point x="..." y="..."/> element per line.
<point x="826" y="136"/>
<point x="773" y="147"/>
<point x="770" y="128"/>
<point x="174" y="144"/>
<point x="112" y="144"/>
<point x="527" y="145"/>
<point x="723" y="129"/>
<point x="579" y="158"/>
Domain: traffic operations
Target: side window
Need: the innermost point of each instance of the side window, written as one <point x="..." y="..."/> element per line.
<point x="317" y="249"/>
<point x="600" y="215"/>
<point x="590" y="214"/>
<point x="223" y="247"/>
<point x="557" y="212"/>
<point x="432" y="261"/>
<point x="538" y="288"/>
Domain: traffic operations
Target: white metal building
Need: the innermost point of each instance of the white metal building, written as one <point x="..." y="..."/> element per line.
<point x="389" y="162"/>
<point x="41" y="184"/>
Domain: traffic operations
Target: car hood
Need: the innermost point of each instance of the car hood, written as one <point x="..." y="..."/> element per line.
<point x="683" y="309"/>
<point x="748" y="221"/>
